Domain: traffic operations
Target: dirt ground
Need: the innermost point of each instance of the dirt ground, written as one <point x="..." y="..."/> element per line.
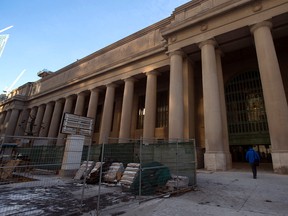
<point x="56" y="196"/>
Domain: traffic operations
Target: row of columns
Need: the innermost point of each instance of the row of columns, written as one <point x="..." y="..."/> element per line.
<point x="217" y="154"/>
<point x="45" y="119"/>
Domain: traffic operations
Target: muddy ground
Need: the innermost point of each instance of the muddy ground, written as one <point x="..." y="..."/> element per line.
<point x="57" y="196"/>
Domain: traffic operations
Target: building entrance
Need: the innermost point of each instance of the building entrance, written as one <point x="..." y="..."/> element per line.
<point x="238" y="153"/>
<point x="246" y="116"/>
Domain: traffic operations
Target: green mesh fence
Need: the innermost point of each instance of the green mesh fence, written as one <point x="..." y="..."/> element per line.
<point x="148" y="167"/>
<point x="42" y="157"/>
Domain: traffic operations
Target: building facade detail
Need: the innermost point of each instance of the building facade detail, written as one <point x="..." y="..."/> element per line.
<point x="182" y="95"/>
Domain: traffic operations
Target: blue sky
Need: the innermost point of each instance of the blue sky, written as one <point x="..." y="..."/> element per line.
<point x="51" y="34"/>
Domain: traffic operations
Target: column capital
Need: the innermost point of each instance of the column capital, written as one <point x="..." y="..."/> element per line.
<point x="60" y="100"/>
<point x="153" y="72"/>
<point x="42" y="105"/>
<point x="129" y="79"/>
<point x="176" y="52"/>
<point x="82" y="93"/>
<point x="261" y="24"/>
<point x="50" y="103"/>
<point x="207" y="42"/>
<point x="70" y="97"/>
<point x="96" y="89"/>
<point x="111" y="85"/>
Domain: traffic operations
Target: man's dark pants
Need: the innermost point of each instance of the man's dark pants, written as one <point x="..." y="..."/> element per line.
<point x="254" y="170"/>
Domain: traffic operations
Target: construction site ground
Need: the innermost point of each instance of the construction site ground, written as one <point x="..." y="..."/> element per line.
<point x="232" y="192"/>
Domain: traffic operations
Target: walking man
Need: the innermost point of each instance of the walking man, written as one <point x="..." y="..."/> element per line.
<point x="253" y="158"/>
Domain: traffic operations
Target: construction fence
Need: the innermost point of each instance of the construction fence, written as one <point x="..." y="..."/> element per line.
<point x="74" y="176"/>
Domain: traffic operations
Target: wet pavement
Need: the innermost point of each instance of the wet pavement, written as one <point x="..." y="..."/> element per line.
<point x="53" y="196"/>
<point x="232" y="192"/>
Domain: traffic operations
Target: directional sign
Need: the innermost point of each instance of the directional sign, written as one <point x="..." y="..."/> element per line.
<point x="77" y="125"/>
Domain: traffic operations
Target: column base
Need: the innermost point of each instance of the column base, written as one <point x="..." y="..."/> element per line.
<point x="217" y="161"/>
<point x="280" y="162"/>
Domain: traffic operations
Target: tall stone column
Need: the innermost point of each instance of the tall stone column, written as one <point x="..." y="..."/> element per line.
<point x="22" y="122"/>
<point x="225" y="135"/>
<point x="126" y="117"/>
<point x="31" y="121"/>
<point x="107" y="113"/>
<point x="2" y="120"/>
<point x="46" y="120"/>
<point x="56" y="119"/>
<point x="274" y="95"/>
<point x="93" y="103"/>
<point x="176" y="98"/>
<point x="80" y="104"/>
<point x="67" y="109"/>
<point x="38" y="119"/>
<point x="150" y="106"/>
<point x="6" y="121"/>
<point x="216" y="156"/>
<point x="68" y="104"/>
<point x="11" y="124"/>
<point x="2" y="117"/>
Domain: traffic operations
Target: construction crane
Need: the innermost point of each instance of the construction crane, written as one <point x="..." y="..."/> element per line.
<point x="3" y="39"/>
<point x="8" y="90"/>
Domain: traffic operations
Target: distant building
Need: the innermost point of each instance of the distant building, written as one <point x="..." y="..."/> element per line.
<point x="215" y="70"/>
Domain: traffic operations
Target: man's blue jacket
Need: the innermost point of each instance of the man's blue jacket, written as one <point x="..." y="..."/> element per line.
<point x="252" y="155"/>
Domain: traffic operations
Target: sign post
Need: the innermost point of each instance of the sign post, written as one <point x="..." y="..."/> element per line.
<point x="77" y="127"/>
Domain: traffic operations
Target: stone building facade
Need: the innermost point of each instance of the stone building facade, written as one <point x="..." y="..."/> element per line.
<point x="215" y="70"/>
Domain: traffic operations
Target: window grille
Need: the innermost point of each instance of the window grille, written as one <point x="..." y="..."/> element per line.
<point x="162" y="109"/>
<point x="245" y="104"/>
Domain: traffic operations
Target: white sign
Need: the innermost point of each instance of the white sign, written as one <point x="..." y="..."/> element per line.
<point x="77" y="125"/>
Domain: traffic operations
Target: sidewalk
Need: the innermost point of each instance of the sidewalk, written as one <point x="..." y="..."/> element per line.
<point x="228" y="193"/>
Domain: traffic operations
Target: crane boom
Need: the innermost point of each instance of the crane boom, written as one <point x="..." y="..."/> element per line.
<point x="14" y="82"/>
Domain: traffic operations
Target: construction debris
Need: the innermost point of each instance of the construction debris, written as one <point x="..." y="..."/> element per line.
<point x="177" y="182"/>
<point x="6" y="171"/>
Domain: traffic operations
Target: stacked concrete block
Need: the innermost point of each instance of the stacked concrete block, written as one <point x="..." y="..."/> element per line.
<point x="84" y="169"/>
<point x="129" y="175"/>
<point x="94" y="175"/>
<point x="114" y="173"/>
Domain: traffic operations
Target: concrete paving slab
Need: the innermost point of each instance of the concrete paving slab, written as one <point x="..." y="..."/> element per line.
<point x="221" y="193"/>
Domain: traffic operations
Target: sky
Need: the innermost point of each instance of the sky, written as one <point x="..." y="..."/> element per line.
<point x="51" y="34"/>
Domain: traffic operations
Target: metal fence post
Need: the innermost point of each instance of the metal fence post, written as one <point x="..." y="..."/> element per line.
<point x="140" y="160"/>
<point x="85" y="174"/>
<point x="100" y="178"/>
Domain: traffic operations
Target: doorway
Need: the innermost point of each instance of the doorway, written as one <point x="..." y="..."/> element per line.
<point x="246" y="116"/>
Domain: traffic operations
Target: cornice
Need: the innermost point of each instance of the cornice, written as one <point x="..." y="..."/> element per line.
<point x="105" y="69"/>
<point x="200" y="17"/>
<point x="134" y="36"/>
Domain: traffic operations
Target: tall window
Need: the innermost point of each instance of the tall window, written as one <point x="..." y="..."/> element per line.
<point x="245" y="104"/>
<point x="162" y="109"/>
<point x="141" y="112"/>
